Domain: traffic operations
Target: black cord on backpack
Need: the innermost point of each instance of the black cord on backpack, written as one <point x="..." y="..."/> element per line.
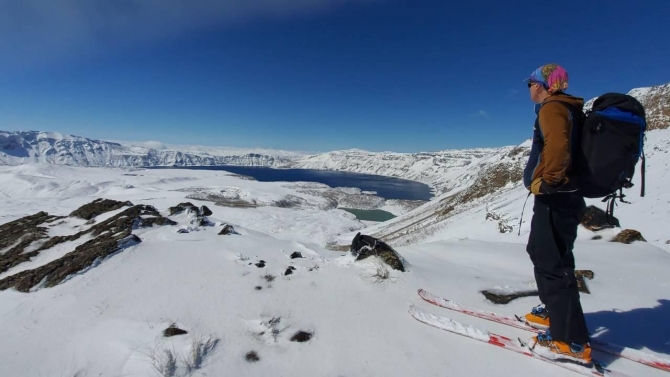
<point x="643" y="169"/>
<point x="522" y="210"/>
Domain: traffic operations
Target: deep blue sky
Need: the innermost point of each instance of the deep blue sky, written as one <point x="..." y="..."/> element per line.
<point x="314" y="75"/>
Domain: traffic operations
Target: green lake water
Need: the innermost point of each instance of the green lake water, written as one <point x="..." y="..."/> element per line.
<point x="370" y="214"/>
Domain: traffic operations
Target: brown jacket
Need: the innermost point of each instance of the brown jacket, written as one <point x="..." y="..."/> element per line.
<point x="555" y="123"/>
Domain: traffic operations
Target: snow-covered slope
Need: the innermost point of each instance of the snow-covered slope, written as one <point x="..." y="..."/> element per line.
<point x="108" y="320"/>
<point x="492" y="201"/>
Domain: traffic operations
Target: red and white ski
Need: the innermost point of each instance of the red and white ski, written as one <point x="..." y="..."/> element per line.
<point x="517" y="346"/>
<point x="613" y="349"/>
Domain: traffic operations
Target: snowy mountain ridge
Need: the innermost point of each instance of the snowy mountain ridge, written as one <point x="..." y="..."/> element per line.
<point x="53" y="148"/>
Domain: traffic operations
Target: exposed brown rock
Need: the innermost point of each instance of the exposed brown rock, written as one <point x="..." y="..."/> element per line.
<point x="15" y="236"/>
<point x="252" y="357"/>
<point x="503" y="298"/>
<point x="595" y="219"/>
<point x="581" y="283"/>
<point x="98" y="207"/>
<point x="628" y="236"/>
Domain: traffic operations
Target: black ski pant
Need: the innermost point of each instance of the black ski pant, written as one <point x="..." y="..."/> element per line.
<point x="553" y="231"/>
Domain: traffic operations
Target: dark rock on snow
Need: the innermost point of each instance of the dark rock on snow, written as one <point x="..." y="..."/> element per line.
<point x="296" y="254"/>
<point x="364" y="246"/>
<point x="595" y="219"/>
<point x="173" y="331"/>
<point x="15" y="236"/>
<point x="301" y="336"/>
<point x="204" y="211"/>
<point x="227" y="229"/>
<point x="503" y="298"/>
<point x="252" y="357"/>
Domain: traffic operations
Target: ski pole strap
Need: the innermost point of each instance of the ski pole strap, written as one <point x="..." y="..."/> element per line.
<point x="611" y="202"/>
<point x="522" y="210"/>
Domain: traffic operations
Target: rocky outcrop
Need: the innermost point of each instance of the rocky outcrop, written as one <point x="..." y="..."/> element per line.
<point x="198" y="216"/>
<point x="98" y="207"/>
<point x="18" y="235"/>
<point x="628" y="236"/>
<point x="108" y="237"/>
<point x="364" y="246"/>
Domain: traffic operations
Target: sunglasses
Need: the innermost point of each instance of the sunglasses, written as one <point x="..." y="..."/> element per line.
<point x="531" y="83"/>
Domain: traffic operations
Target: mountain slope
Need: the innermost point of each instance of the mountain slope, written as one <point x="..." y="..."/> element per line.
<point x="656" y="102"/>
<point x="490" y="206"/>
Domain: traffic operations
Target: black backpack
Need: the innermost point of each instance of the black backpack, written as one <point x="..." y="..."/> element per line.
<point x="608" y="142"/>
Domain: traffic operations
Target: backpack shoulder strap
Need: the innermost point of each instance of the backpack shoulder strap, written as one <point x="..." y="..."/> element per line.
<point x="576" y="112"/>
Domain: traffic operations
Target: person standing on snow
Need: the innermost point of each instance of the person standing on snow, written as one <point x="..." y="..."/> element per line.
<point x="556" y="216"/>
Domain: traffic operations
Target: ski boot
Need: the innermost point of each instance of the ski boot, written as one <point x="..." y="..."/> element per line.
<point x="544" y="345"/>
<point x="538" y="318"/>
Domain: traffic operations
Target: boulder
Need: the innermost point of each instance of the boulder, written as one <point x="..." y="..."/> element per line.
<point x="364" y="246"/>
<point x="628" y="236"/>
<point x="227" y="229"/>
<point x="595" y="219"/>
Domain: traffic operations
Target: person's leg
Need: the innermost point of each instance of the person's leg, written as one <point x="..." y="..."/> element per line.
<point x="567" y="323"/>
<point x="535" y="239"/>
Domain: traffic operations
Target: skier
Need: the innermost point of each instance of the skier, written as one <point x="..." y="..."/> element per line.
<point x="549" y="175"/>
